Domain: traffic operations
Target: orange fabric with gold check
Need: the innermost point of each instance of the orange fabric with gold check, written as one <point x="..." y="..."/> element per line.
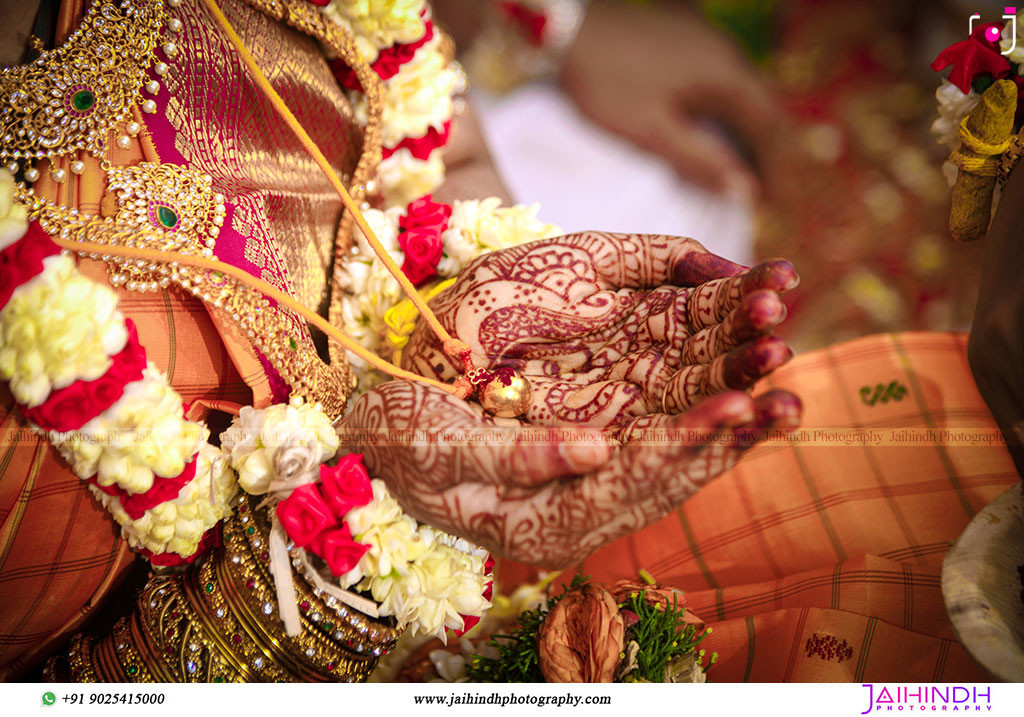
<point x="55" y="573"/>
<point x="823" y="562"/>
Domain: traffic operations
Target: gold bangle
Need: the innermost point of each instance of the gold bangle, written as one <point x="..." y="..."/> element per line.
<point x="217" y="621"/>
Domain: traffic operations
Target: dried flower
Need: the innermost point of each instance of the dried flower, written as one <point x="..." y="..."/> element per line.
<point x="581" y="639"/>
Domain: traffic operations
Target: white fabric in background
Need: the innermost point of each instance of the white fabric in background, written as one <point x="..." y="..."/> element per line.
<point x="587" y="178"/>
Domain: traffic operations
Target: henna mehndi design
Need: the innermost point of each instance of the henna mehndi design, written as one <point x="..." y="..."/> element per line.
<point x="608" y="327"/>
<point x="612" y="331"/>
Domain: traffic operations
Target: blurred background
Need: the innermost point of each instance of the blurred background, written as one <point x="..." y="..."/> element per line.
<point x="796" y="129"/>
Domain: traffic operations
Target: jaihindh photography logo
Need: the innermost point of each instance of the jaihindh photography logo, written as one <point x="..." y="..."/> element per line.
<point x="927" y="698"/>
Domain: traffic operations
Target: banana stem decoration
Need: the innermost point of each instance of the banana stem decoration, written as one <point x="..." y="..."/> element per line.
<point x="984" y="136"/>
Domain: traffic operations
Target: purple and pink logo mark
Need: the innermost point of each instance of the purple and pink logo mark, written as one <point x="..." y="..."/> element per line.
<point x="992" y="33"/>
<point x="928" y="698"/>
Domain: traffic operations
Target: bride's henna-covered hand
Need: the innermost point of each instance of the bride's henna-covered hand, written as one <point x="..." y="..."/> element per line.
<point x="632" y="344"/>
<point x="548" y="496"/>
<point x="612" y="327"/>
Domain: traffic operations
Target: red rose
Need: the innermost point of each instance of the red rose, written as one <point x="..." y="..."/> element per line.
<point x="71" y="407"/>
<point x="304" y="515"/>
<point x="422" y="253"/>
<point x="346" y="485"/>
<point x="420" y="238"/>
<point x="321" y="3"/>
<point x="424" y="213"/>
<point x="973" y="57"/>
<point x="339" y="550"/>
<point x="23" y="260"/>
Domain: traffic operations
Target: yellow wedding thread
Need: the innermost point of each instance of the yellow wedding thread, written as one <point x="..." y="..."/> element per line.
<point x="977" y="144"/>
<point x="268" y="290"/>
<point x="986" y="165"/>
<point x="455" y="348"/>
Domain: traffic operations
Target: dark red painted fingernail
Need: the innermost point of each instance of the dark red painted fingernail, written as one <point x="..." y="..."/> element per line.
<point x="776" y="274"/>
<point x="760" y="311"/>
<point x="745" y="365"/>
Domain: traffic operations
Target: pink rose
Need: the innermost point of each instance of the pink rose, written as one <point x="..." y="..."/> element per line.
<point x="339" y="550"/>
<point x="304" y="515"/>
<point x="346" y="485"/>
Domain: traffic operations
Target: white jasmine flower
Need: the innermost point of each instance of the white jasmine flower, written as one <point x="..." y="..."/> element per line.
<point x="954" y="105"/>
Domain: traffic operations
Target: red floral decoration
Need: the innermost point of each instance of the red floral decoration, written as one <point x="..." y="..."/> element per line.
<point x="321" y="3"/>
<point x="305" y="515"/>
<point x="71" y="407"/>
<point x="339" y="550"/>
<point x="973" y="57"/>
<point x="530" y="22"/>
<point x="23" y="260"/>
<point x="388" y="63"/>
<point x="314" y="520"/>
<point x="346" y="485"/>
<point x="163" y="489"/>
<point x="211" y="539"/>
<point x="421" y="147"/>
<point x="420" y="238"/>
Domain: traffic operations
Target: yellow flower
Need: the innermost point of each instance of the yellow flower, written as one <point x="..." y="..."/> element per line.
<point x="421" y="576"/>
<point x="58" y="328"/>
<point x="442" y="585"/>
<point x="13" y="216"/>
<point x="382" y="510"/>
<point x="401" y="318"/>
